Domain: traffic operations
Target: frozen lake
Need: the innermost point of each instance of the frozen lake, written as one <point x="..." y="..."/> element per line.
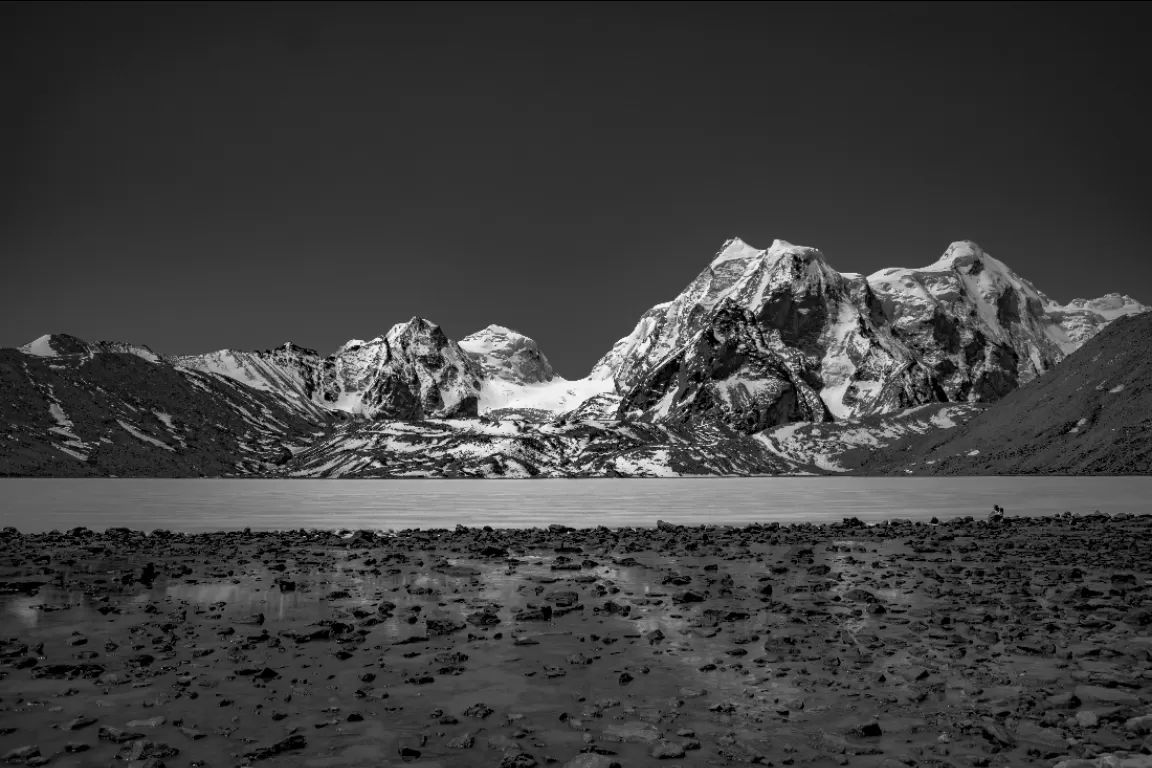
<point x="197" y="505"/>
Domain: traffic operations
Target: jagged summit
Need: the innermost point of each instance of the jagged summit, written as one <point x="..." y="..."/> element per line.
<point x="737" y="249"/>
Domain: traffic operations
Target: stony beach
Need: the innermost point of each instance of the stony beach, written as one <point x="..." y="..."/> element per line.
<point x="961" y="642"/>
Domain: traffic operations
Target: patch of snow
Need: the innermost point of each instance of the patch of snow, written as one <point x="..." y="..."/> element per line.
<point x="72" y="453"/>
<point x="1116" y="389"/>
<point x="58" y="414"/>
<point x="143" y="437"/>
<point x="555" y="396"/>
<point x="827" y="464"/>
<point x="41" y="347"/>
<point x="973" y="452"/>
<point x="164" y="417"/>
<point x="942" y="420"/>
<point x="785" y="432"/>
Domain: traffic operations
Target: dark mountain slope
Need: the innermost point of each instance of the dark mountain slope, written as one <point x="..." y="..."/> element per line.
<point x="1091" y="414"/>
<point x="108" y="413"/>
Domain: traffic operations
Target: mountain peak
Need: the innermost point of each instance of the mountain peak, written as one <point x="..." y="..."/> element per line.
<point x="962" y="253"/>
<point x="54" y="344"/>
<point x="735" y="249"/>
<point x="504" y="354"/>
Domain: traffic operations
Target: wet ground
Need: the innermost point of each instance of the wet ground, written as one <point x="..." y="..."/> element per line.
<point x="965" y="643"/>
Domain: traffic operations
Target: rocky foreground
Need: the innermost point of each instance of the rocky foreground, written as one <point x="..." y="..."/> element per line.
<point x="998" y="642"/>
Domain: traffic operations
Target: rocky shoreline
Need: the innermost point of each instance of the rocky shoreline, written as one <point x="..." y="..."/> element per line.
<point x="965" y="642"/>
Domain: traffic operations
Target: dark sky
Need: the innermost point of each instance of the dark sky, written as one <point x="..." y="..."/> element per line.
<point x="212" y="175"/>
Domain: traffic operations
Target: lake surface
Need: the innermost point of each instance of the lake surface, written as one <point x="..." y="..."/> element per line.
<point x="199" y="505"/>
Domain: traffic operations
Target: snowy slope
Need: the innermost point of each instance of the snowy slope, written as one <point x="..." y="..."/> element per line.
<point x="289" y="372"/>
<point x="517" y="377"/>
<point x="550" y="397"/>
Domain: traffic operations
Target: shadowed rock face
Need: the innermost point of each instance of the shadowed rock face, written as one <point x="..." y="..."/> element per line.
<point x="726" y="373"/>
<point x="1088" y="415"/>
<point x="95" y="415"/>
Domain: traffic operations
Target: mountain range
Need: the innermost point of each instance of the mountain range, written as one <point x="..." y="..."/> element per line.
<point x="769" y="362"/>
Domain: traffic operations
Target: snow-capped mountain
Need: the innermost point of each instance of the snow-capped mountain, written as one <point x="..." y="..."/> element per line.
<point x="1082" y="319"/>
<point x="413" y="371"/>
<point x="963" y="329"/>
<point x="770" y="362"/>
<point x="505" y="354"/>
<point x="829" y="326"/>
<point x="518" y="381"/>
<point x="726" y="372"/>
<point x="981" y="328"/>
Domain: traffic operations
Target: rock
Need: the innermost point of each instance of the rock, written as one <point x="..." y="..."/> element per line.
<point x="1139" y="725"/>
<point x="293" y="742"/>
<point x="501" y="743"/>
<point x="482" y="619"/>
<point x="631" y="732"/>
<point x="117" y="735"/>
<point x="1048" y="741"/>
<point x="541" y="613"/>
<point x="1106" y="695"/>
<point x="21" y="754"/>
<point x="152" y="722"/>
<point x="76" y="723"/>
<point x="667" y="750"/>
<point x="591" y="760"/>
<point x="478" y="710"/>
<point x="443" y="626"/>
